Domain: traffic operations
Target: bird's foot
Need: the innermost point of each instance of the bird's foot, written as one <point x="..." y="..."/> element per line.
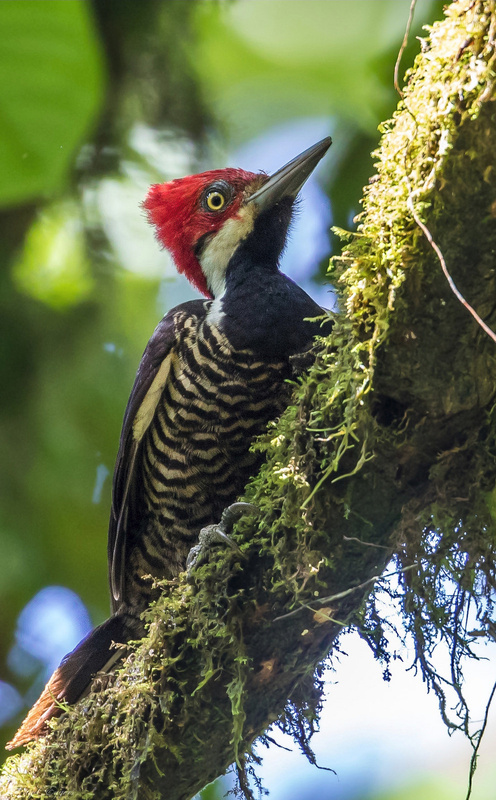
<point x="218" y="534"/>
<point x="303" y="360"/>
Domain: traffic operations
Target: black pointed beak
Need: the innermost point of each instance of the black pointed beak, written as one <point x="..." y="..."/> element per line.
<point x="288" y="180"/>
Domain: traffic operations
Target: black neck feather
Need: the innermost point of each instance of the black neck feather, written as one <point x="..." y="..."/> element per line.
<point x="264" y="309"/>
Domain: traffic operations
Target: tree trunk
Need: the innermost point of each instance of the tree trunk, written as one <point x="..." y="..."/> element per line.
<point x="390" y="440"/>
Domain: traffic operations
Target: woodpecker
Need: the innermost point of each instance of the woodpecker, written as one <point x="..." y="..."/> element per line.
<point x="212" y="376"/>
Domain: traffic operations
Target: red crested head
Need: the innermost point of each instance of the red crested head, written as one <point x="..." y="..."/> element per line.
<point x="203" y="219"/>
<point x="187" y="212"/>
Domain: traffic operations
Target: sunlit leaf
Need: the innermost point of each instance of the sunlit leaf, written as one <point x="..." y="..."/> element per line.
<point x="52" y="84"/>
<point x="53" y="267"/>
<point x="263" y="62"/>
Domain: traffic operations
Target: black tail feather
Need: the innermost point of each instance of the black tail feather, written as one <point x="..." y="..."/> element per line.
<point x="70" y="681"/>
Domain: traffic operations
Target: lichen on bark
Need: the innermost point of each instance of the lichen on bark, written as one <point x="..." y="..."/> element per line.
<point x="388" y="451"/>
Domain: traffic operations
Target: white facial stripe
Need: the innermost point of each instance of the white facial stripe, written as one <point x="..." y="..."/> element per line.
<point x="215" y="313"/>
<point x="217" y="254"/>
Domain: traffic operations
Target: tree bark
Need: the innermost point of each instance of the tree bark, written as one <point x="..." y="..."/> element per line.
<point x="389" y="440"/>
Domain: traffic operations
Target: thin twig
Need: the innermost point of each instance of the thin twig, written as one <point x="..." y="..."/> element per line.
<point x="425" y="230"/>
<point x="341" y="595"/>
<point x="403" y="46"/>
<point x="473" y="760"/>
<point x="365" y="544"/>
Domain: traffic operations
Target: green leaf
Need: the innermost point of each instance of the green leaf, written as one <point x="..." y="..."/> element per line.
<point x="266" y="62"/>
<point x="53" y="266"/>
<point x="51" y="76"/>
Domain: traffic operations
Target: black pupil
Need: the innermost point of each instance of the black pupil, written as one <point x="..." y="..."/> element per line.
<point x="216" y="199"/>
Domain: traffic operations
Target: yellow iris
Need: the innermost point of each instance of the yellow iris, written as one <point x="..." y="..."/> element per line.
<point x="215" y="201"/>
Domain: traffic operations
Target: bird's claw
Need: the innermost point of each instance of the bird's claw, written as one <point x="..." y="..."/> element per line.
<point x="218" y="533"/>
<point x="303" y="360"/>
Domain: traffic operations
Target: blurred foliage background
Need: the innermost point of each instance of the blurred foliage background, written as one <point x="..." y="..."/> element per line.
<point x="99" y="99"/>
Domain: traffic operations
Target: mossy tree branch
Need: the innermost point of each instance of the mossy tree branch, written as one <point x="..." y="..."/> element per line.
<point x="391" y="442"/>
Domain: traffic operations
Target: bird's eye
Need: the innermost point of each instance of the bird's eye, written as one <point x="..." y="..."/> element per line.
<point x="216" y="196"/>
<point x="215" y="200"/>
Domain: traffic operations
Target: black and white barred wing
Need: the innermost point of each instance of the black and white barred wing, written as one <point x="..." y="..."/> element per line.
<point x="127" y="489"/>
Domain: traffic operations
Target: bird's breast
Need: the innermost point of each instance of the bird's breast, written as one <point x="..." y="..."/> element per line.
<point x="196" y="455"/>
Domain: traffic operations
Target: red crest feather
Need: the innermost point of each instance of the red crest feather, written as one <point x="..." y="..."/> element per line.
<point x="175" y="210"/>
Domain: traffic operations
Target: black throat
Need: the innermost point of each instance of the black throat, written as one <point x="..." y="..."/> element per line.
<point x="263" y="309"/>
